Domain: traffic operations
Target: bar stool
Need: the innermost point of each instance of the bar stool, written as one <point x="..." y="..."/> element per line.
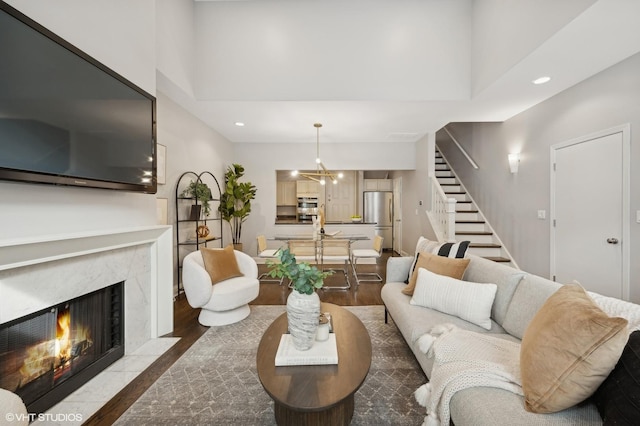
<point x="267" y="253"/>
<point x="372" y="253"/>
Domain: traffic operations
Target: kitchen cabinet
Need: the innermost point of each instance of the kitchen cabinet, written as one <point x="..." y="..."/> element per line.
<point x="378" y="185"/>
<point x="286" y="193"/>
<point x="307" y="188"/>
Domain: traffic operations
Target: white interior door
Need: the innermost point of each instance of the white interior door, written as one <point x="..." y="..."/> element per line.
<point x="341" y="198"/>
<point x="397" y="215"/>
<point x="588" y="199"/>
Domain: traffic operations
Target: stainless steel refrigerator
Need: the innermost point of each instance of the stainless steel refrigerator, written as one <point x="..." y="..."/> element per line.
<point x="378" y="209"/>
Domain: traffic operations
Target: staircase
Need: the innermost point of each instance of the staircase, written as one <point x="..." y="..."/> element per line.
<point x="470" y="224"/>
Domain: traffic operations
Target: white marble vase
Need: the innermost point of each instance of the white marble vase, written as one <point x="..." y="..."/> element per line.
<point x="303" y="311"/>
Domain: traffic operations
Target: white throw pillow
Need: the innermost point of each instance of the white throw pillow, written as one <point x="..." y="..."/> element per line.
<point x="618" y="308"/>
<point x="467" y="300"/>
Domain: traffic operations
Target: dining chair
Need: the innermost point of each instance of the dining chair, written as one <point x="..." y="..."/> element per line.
<point x="267" y="253"/>
<point x="304" y="250"/>
<point x="336" y="251"/>
<point x="370" y="253"/>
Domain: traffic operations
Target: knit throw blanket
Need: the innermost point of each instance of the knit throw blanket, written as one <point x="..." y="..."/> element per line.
<point x="465" y="359"/>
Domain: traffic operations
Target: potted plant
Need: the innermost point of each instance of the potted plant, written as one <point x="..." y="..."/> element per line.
<point x="201" y="192"/>
<point x="303" y="303"/>
<point x="235" y="201"/>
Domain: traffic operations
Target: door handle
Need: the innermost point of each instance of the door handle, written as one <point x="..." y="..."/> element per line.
<point x="612" y="240"/>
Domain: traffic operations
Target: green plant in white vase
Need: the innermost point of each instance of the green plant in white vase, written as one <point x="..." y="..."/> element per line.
<point x="303" y="303"/>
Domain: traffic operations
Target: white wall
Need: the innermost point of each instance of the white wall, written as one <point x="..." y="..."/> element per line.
<point x="415" y="188"/>
<point x="262" y="160"/>
<point x="305" y="44"/>
<point x="175" y="41"/>
<point x="511" y="201"/>
<point x="191" y="146"/>
<point x="120" y="34"/>
<point x="504" y="32"/>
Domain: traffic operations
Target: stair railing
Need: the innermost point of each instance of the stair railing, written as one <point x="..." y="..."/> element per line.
<point x="443" y="213"/>
<point x="466" y="155"/>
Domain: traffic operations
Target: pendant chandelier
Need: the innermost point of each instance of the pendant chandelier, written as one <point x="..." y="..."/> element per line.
<point x="322" y="174"/>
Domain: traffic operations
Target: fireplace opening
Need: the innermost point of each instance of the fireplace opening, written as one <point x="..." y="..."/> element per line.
<point x="49" y="354"/>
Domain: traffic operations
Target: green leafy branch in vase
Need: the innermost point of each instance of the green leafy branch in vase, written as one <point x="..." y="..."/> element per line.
<point x="304" y="278"/>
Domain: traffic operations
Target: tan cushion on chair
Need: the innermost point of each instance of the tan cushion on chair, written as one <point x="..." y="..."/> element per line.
<point x="440" y="265"/>
<point x="221" y="264"/>
<point x="567" y="351"/>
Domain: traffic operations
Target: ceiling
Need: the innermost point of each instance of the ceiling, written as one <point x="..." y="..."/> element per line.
<point x="390" y="71"/>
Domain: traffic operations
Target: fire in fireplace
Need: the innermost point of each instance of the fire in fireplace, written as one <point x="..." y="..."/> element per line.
<point x="49" y="354"/>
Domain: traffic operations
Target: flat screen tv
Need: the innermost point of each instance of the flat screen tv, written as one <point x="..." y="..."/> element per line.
<point x="67" y="119"/>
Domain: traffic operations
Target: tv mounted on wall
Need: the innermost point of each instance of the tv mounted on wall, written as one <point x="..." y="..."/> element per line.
<point x="67" y="119"/>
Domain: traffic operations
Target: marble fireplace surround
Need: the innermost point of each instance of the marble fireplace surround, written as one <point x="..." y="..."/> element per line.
<point x="38" y="273"/>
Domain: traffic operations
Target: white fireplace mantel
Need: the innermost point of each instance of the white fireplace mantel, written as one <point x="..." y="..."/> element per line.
<point x="19" y="253"/>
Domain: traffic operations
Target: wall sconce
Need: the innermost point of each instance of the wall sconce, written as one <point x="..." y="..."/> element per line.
<point x="514" y="160"/>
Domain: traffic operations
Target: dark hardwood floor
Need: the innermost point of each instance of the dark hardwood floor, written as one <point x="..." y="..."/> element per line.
<point x="186" y="326"/>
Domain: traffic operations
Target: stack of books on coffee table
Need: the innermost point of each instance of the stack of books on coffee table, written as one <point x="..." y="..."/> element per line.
<point x="321" y="353"/>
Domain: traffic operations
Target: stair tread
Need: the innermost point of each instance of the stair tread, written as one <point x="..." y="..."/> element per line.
<point x="454" y="192"/>
<point x="474" y="233"/>
<point x="498" y="258"/>
<point x="484" y="245"/>
<point x="467" y="211"/>
<point x="470" y="221"/>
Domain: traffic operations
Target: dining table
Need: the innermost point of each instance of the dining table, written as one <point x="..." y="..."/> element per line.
<point x="350" y="237"/>
<point x="321" y="247"/>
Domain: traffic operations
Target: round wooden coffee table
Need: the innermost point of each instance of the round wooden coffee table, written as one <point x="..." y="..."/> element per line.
<point x="316" y="394"/>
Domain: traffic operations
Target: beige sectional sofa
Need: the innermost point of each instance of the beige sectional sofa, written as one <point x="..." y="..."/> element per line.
<point x="518" y="298"/>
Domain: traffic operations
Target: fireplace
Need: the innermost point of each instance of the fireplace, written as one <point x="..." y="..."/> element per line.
<point x="48" y="354"/>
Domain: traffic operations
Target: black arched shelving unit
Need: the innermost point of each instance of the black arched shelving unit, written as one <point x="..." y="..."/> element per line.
<point x="187" y="237"/>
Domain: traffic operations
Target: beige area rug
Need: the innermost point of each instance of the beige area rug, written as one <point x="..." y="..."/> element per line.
<point x="215" y="382"/>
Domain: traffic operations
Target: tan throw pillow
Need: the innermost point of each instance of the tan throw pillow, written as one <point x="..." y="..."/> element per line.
<point x="440" y="265"/>
<point x="567" y="350"/>
<point x="221" y="264"/>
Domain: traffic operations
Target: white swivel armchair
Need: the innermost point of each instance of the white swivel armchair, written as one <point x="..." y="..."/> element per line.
<point x="225" y="302"/>
<point x="11" y="403"/>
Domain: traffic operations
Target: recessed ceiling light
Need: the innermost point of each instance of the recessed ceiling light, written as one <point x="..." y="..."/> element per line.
<point x="541" y="80"/>
<point x="239" y="124"/>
